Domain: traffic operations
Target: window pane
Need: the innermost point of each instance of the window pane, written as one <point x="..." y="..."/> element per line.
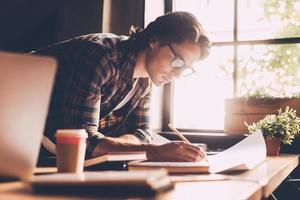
<point x="265" y="19"/>
<point x="216" y="16"/>
<point x="153" y="9"/>
<point x="199" y="99"/>
<point x="269" y="69"/>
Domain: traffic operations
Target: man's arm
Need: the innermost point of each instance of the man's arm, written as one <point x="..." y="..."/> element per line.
<point x="139" y="139"/>
<point x="138" y="131"/>
<point x="173" y="151"/>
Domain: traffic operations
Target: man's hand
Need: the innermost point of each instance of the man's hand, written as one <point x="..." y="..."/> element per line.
<point x="176" y="151"/>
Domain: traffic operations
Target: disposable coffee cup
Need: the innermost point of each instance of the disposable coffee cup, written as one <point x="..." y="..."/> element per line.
<point x="70" y="150"/>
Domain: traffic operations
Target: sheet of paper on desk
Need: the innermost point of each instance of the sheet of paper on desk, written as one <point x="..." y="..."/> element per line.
<point x="246" y="154"/>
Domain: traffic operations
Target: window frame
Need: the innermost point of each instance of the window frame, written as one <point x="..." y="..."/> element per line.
<point x="167" y="98"/>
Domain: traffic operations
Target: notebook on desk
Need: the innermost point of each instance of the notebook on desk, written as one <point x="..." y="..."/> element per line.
<point x="103" y="182"/>
<point x="245" y="155"/>
<point x="116" y="156"/>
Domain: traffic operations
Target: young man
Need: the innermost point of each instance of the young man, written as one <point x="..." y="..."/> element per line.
<point x="103" y="84"/>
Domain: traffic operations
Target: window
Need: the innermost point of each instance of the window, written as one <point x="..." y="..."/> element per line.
<point x="215" y="15"/>
<point x="267" y="19"/>
<point x="269" y="69"/>
<point x="203" y="92"/>
<point x="256" y="48"/>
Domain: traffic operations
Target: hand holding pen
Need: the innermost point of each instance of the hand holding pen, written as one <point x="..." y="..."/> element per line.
<point x="181" y="136"/>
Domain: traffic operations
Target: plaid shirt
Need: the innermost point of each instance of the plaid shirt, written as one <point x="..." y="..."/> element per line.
<point x="95" y="73"/>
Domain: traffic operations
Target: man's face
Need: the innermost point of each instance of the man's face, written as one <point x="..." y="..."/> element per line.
<point x="165" y="63"/>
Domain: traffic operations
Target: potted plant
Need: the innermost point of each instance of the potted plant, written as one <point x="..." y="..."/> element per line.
<point x="277" y="129"/>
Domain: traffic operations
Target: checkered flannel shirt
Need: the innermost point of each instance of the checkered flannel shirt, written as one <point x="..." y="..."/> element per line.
<point x="95" y="73"/>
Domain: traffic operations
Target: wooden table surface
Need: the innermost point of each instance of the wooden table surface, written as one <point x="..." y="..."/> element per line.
<point x="272" y="172"/>
<point x="227" y="189"/>
<point x="253" y="184"/>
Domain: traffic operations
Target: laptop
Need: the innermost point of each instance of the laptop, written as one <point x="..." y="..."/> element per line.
<point x="25" y="88"/>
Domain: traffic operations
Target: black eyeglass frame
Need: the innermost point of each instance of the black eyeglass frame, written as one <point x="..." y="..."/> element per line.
<point x="184" y="67"/>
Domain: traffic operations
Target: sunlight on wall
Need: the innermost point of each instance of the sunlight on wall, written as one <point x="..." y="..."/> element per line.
<point x="153" y="9"/>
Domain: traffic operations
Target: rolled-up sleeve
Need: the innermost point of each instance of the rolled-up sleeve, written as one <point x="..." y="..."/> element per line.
<point x="138" y="122"/>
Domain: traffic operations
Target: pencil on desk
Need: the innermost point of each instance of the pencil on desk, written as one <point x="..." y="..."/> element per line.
<point x="178" y="133"/>
<point x="182" y="137"/>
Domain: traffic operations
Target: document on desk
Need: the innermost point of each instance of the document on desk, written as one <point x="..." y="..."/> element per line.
<point x="244" y="155"/>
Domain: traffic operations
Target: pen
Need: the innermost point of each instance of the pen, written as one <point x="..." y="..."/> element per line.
<point x="181" y="136"/>
<point x="178" y="133"/>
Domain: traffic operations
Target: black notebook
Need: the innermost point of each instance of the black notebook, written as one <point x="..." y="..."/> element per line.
<point x="113" y="182"/>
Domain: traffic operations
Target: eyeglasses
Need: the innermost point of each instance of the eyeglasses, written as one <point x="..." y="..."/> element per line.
<point x="179" y="63"/>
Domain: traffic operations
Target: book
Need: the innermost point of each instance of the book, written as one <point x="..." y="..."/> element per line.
<point x="171" y="167"/>
<point x="244" y="155"/>
<point x="114" y="182"/>
<point x="116" y="156"/>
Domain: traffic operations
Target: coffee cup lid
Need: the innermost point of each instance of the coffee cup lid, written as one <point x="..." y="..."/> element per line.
<point x="71" y="133"/>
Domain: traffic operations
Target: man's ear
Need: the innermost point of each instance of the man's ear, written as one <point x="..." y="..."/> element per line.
<point x="153" y="42"/>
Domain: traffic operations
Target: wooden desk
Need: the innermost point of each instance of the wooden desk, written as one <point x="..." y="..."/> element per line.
<point x="271" y="172"/>
<point x="213" y="190"/>
<point x="258" y="183"/>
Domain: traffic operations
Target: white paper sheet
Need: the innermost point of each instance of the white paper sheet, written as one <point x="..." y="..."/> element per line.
<point x="246" y="154"/>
